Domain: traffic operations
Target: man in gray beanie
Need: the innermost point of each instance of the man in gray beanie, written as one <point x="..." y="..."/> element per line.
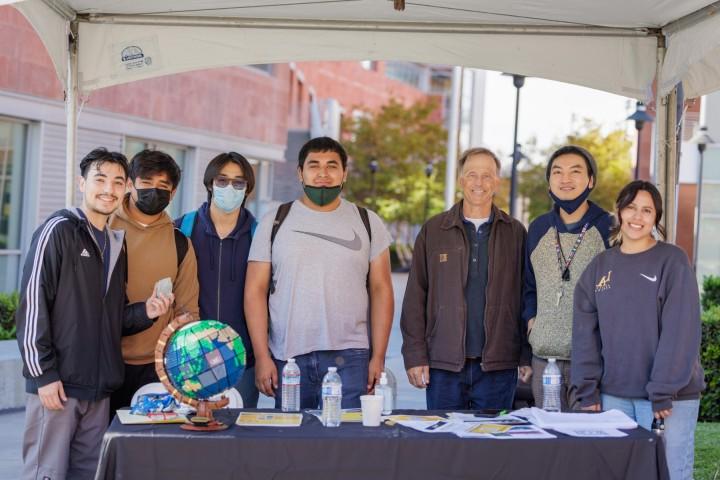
<point x="559" y="246"/>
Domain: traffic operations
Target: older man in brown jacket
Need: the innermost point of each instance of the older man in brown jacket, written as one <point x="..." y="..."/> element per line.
<point x="463" y="338"/>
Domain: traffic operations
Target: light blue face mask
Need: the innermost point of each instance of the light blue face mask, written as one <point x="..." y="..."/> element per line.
<point x="228" y="199"/>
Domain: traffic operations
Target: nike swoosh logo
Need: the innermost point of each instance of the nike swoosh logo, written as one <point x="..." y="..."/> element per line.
<point x="652" y="279"/>
<point x="354" y="244"/>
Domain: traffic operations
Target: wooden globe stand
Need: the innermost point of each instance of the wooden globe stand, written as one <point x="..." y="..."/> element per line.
<point x="203" y="421"/>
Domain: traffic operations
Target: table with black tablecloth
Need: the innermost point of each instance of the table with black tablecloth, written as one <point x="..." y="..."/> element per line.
<point x="352" y="451"/>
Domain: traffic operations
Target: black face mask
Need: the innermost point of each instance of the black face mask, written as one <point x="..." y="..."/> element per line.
<point x="152" y="201"/>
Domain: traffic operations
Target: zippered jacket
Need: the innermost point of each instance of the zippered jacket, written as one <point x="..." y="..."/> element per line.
<point x="69" y="324"/>
<point x="221" y="267"/>
<point x="434" y="313"/>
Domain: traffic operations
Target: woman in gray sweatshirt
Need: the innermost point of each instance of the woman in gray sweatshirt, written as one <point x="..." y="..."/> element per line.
<point x="636" y="329"/>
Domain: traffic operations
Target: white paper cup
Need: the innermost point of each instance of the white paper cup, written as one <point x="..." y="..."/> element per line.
<point x="371" y="410"/>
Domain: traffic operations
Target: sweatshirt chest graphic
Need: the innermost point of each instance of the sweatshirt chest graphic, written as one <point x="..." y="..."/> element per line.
<point x="604" y="283"/>
<point x="354" y="243"/>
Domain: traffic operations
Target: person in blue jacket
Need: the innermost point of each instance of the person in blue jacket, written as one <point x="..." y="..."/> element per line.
<point x="221" y="232"/>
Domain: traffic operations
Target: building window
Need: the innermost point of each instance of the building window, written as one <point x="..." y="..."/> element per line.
<point x="264" y="67"/>
<point x="13" y="138"/>
<point x="178" y="153"/>
<point x="369" y="65"/>
<point x="406" y="72"/>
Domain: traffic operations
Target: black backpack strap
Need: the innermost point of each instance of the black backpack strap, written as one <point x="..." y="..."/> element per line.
<point x="181" y="246"/>
<point x="280" y="216"/>
<point x="282" y="212"/>
<point x="366" y="220"/>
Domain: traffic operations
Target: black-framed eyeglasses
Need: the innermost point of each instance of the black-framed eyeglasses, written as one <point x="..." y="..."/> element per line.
<point x="237" y="183"/>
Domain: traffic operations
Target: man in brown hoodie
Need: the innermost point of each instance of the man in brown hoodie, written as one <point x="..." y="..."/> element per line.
<point x="155" y="250"/>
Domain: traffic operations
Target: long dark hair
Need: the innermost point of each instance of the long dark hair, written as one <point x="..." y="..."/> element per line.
<point x="626" y="197"/>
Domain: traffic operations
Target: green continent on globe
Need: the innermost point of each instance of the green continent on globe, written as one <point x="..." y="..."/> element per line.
<point x="204" y="358"/>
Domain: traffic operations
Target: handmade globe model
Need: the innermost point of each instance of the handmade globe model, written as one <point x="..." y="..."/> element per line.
<point x="204" y="358"/>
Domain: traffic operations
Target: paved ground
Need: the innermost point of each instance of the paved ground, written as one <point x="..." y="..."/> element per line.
<point x="12" y="423"/>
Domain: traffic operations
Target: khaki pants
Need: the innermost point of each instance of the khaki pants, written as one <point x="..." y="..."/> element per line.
<point x="567" y="393"/>
<point x="63" y="444"/>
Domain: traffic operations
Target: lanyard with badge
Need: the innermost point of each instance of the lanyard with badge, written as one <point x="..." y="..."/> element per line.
<point x="564" y="265"/>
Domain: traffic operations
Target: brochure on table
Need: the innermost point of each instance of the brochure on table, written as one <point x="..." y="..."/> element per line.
<point x="269" y="419"/>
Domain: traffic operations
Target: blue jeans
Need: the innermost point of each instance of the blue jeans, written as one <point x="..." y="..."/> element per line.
<point x="679" y="429"/>
<point x="471" y="388"/>
<point x="352" y="366"/>
<point x="247" y="389"/>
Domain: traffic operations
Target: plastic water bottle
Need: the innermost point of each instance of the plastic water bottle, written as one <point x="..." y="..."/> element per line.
<point x="384" y="390"/>
<point x="291" y="387"/>
<point x="331" y="398"/>
<point x="552" y="381"/>
<point x="392" y="383"/>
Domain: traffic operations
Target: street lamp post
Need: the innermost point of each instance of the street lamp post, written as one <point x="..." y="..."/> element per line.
<point x="518" y="82"/>
<point x="701" y="139"/>
<point x="640" y="117"/>
<point x="373" y="170"/>
<point x="428" y="173"/>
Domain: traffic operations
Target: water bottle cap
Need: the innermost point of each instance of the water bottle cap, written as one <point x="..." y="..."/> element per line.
<point x="332" y="369"/>
<point x="383" y="379"/>
<point x="291" y="360"/>
<point x="551" y="360"/>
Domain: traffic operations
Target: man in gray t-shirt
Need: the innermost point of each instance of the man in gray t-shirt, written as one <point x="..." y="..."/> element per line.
<point x="326" y="271"/>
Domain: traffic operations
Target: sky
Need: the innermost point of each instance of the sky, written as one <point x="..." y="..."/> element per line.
<point x="548" y="112"/>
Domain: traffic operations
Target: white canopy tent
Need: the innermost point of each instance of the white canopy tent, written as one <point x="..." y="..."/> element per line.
<point x="616" y="45"/>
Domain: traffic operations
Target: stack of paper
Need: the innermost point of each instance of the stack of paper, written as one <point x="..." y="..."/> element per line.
<point x="469" y="426"/>
<point x="611" y="419"/>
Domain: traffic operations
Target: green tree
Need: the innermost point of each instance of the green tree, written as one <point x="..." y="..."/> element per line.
<point x="612" y="154"/>
<point x="403" y="141"/>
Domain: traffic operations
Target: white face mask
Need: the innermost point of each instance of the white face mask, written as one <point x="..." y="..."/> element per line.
<point x="228" y="199"/>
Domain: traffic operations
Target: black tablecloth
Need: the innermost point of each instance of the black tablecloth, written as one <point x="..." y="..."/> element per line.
<point x="352" y="451"/>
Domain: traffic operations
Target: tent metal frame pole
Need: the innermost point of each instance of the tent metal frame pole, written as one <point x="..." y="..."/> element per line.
<point x="666" y="150"/>
<point x="369" y="25"/>
<point x="71" y="114"/>
<point x="692" y="19"/>
<point x="671" y="168"/>
<point x="452" y="145"/>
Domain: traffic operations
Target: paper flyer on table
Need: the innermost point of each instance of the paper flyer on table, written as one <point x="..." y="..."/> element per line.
<point x="600" y="432"/>
<point x="440" y="426"/>
<point x="414" y="418"/>
<point x="127" y="418"/>
<point x="351" y="415"/>
<point x="491" y="430"/>
<point x="264" y="419"/>
<point x="502" y="420"/>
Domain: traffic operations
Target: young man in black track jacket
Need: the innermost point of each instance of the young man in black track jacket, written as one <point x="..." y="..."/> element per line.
<point x="73" y="312"/>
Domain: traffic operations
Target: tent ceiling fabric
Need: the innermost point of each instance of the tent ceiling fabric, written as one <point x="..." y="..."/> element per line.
<point x="614" y="13"/>
<point x="122" y="41"/>
<point x="621" y="65"/>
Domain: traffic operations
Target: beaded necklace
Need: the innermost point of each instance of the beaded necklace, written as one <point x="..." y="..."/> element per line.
<point x="563" y="264"/>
